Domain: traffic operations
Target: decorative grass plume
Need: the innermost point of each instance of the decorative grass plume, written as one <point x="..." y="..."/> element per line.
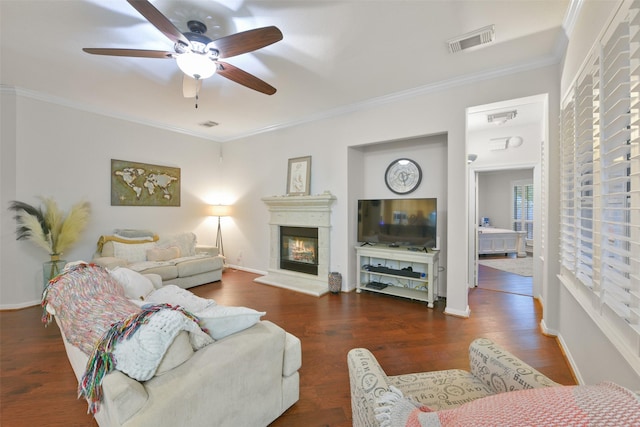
<point x="49" y="228"/>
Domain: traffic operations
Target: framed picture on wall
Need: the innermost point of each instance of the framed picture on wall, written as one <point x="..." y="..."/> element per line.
<point x="299" y="176"/>
<point x="142" y="184"/>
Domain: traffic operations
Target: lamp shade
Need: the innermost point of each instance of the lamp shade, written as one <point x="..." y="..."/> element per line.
<point x="219" y="210"/>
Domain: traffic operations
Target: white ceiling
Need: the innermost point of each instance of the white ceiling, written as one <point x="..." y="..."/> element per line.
<point x="335" y="56"/>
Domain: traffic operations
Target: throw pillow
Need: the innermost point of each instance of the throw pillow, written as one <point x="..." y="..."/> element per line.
<point x="175" y="295"/>
<point x="135" y="285"/>
<point x="186" y="242"/>
<point x="132" y="234"/>
<point x="132" y="252"/>
<point x="221" y="321"/>
<point x="163" y="254"/>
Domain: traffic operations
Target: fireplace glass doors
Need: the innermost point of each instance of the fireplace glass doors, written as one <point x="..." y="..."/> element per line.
<point x="299" y="249"/>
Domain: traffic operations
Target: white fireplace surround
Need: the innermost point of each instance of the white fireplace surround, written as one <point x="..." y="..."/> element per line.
<point x="299" y="211"/>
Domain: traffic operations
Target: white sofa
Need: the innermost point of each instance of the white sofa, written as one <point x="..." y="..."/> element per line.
<point x="177" y="259"/>
<point x="247" y="378"/>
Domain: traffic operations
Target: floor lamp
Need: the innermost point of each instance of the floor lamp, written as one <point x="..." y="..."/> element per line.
<point x="220" y="211"/>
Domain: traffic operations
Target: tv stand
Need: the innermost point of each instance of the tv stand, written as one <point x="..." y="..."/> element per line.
<point x="398" y="271"/>
<point x="367" y="243"/>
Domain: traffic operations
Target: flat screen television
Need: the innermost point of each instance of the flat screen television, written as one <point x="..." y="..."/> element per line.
<point x="398" y="222"/>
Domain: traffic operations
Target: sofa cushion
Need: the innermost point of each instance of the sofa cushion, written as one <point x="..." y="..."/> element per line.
<point x="197" y="265"/>
<point x="221" y="321"/>
<point x="441" y="389"/>
<point x="186" y="242"/>
<point x="132" y="252"/>
<point x="166" y="270"/>
<point x="135" y="285"/>
<point x="163" y="254"/>
<point x="133" y="234"/>
<point x="110" y="262"/>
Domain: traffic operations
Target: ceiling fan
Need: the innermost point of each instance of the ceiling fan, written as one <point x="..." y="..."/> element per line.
<point x="197" y="55"/>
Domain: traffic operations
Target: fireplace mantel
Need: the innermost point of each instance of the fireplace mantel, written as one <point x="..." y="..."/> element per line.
<point x="299" y="211"/>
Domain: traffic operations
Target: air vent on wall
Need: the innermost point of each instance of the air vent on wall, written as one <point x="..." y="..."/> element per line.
<point x="474" y="38"/>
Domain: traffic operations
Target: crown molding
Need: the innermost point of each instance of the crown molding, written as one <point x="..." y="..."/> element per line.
<point x="347" y="109"/>
<point x="407" y="94"/>
<point x="52" y="99"/>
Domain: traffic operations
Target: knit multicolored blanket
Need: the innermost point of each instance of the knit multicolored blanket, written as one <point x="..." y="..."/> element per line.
<point x="96" y="317"/>
<point x="605" y="404"/>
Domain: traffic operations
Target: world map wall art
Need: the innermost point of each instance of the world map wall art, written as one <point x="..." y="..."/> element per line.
<point x="142" y="184"/>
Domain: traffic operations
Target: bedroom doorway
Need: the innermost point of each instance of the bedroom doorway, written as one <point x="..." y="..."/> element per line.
<point x="504" y="148"/>
<point x="504" y="259"/>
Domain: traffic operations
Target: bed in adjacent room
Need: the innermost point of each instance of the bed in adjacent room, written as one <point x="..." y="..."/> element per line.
<point x="500" y="241"/>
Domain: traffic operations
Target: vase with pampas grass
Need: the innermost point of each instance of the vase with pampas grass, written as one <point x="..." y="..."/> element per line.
<point x="50" y="229"/>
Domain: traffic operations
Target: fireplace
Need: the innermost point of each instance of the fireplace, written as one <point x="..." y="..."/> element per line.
<point x="299" y="249"/>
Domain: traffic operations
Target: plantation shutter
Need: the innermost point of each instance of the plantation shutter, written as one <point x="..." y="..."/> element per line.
<point x="567" y="198"/>
<point x="619" y="291"/>
<point x="522" y="210"/>
<point x="584" y="143"/>
<point x="600" y="181"/>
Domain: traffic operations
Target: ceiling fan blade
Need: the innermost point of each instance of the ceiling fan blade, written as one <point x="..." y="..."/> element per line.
<point x="139" y="53"/>
<point x="242" y="77"/>
<point x="190" y="86"/>
<point x="161" y="22"/>
<point x="246" y="41"/>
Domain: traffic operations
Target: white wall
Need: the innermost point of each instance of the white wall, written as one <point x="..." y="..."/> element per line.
<point x="258" y="166"/>
<point x="430" y="152"/>
<point x="528" y="152"/>
<point x="66" y="154"/>
<point x="589" y="27"/>
<point x="255" y="167"/>
<point x="495" y="195"/>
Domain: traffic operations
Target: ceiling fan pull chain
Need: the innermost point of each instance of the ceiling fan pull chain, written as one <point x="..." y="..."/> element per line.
<point x="197" y="89"/>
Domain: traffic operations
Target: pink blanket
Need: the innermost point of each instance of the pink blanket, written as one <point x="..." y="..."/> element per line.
<point x="605" y="404"/>
<point x="96" y="317"/>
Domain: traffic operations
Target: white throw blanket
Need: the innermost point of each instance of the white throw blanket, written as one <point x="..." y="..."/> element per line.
<point x="141" y="353"/>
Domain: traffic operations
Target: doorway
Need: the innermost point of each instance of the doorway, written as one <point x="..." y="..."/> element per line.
<point x="505" y="230"/>
<point x="504" y="147"/>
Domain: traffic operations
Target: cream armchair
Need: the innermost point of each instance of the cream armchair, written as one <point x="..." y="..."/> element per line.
<point x="492" y="370"/>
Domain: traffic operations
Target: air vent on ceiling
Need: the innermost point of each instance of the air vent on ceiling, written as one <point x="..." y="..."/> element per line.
<point x="209" y="124"/>
<point x="501" y="118"/>
<point x="474" y="38"/>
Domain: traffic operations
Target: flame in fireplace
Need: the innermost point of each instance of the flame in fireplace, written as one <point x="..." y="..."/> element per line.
<point x="302" y="252"/>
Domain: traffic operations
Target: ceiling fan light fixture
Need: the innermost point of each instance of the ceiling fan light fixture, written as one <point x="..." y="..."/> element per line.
<point x="196" y="65"/>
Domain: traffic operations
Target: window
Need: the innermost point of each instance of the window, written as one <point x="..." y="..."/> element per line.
<point x="522" y="210"/>
<point x="600" y="179"/>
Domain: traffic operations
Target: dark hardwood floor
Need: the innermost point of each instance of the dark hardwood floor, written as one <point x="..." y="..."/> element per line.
<point x="37" y="385"/>
<point x="499" y="280"/>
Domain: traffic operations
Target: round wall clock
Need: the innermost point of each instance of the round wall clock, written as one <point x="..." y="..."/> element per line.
<point x="403" y="176"/>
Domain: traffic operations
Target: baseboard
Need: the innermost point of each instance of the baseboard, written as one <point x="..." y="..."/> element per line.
<point x="19" y="306"/>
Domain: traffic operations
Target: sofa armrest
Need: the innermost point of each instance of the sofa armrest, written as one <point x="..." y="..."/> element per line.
<point x="207" y="250"/>
<point x="368" y="382"/>
<point x="123" y="396"/>
<point x="502" y="371"/>
<point x="110" y="262"/>
<point x="156" y="279"/>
